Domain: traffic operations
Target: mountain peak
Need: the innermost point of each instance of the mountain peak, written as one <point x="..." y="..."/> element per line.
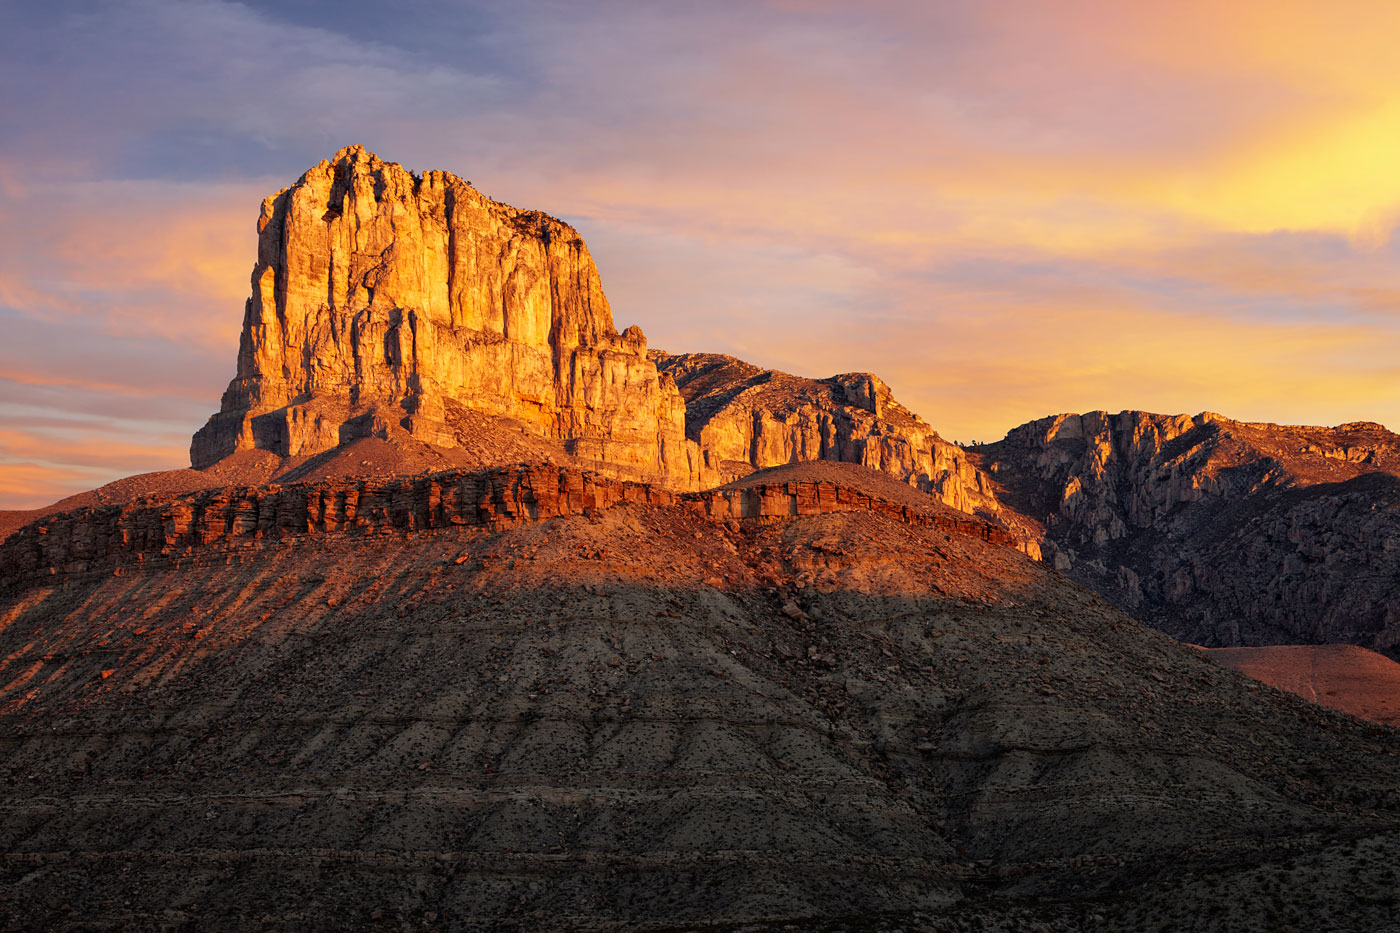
<point x="384" y="298"/>
<point x="354" y="153"/>
<point x="384" y="302"/>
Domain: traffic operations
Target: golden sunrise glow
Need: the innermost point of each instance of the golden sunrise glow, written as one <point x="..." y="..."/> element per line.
<point x="1339" y="176"/>
<point x="1006" y="210"/>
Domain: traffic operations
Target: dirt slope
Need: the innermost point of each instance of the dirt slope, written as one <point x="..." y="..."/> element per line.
<point x="648" y="719"/>
<point x="1344" y="677"/>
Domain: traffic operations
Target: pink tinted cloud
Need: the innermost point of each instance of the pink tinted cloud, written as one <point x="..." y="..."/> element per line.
<point x="132" y="258"/>
<point x="97" y="448"/>
<point x="35" y="485"/>
<point x="1006" y="209"/>
<point x="1117" y="358"/>
<point x="42" y="464"/>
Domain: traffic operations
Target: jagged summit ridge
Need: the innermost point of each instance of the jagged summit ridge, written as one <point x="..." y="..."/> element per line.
<point x="1098" y="475"/>
<point x="745" y="418"/>
<point x="1218" y="531"/>
<point x="382" y="297"/>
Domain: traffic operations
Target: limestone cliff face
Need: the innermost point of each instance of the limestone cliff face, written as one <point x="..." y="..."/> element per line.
<point x="1096" y="478"/>
<point x="383" y="296"/>
<point x="1313" y="564"/>
<point x="1218" y="531"/>
<point x="745" y="418"/>
<point x="1092" y="477"/>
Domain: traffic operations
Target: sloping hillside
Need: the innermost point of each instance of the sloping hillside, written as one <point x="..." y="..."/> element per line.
<point x="652" y="716"/>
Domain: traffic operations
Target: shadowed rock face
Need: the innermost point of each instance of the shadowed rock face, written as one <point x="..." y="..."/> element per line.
<point x="1219" y="532"/>
<point x="643" y="717"/>
<point x="383" y="298"/>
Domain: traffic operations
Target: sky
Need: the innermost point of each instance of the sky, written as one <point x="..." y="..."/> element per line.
<point x="1005" y="209"/>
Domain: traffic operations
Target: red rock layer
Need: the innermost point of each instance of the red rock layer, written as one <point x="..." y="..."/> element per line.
<point x="109" y="536"/>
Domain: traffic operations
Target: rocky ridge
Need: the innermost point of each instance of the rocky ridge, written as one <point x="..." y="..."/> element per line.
<point x="1218" y="531"/>
<point x="746" y="418"/>
<point x="169" y="528"/>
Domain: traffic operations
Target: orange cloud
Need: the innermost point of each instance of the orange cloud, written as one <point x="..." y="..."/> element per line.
<point x="135" y="258"/>
<point x="1005" y="209"/>
<point x="1073" y="128"/>
<point x="44" y="459"/>
<point x="1115" y="360"/>
<point x="35" y="485"/>
<point x="97" y="449"/>
<point x="63" y="380"/>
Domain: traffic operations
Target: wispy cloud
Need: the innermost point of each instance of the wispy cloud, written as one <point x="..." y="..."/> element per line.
<point x="1004" y="208"/>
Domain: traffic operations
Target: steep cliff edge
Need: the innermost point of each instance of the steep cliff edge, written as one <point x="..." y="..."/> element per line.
<point x="746" y="418"/>
<point x="1220" y="532"/>
<point x="384" y="298"/>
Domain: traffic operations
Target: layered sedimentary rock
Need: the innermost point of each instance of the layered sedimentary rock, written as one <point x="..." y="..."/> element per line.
<point x="1218" y="531"/>
<point x="382" y="297"/>
<point x="745" y="418"/>
<point x="113" y="536"/>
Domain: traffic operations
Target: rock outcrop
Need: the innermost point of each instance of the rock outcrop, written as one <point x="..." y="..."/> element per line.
<point x="381" y="297"/>
<point x="111" y="536"/>
<point x="1220" y="532"/>
<point x="386" y="301"/>
<point x="745" y="418"/>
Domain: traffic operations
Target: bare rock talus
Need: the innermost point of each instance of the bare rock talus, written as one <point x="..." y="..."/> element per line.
<point x="381" y="297"/>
